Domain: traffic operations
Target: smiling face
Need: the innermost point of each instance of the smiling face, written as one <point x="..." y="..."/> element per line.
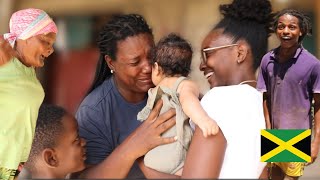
<point x="132" y="69"/>
<point x="70" y="147"/>
<point x="35" y="50"/>
<point x="221" y="62"/>
<point x="288" y="30"/>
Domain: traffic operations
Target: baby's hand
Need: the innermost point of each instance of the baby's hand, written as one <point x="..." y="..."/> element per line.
<point x="208" y="127"/>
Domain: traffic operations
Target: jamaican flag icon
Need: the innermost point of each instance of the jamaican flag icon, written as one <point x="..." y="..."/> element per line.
<point x="287" y="145"/>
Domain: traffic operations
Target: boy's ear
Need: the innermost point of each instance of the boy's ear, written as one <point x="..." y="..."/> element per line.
<point x="109" y="62"/>
<point x="50" y="158"/>
<point x="157" y="69"/>
<point x="242" y="53"/>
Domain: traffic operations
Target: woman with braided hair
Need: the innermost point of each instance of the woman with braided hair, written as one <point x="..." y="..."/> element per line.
<point x="230" y="52"/>
<point x="108" y="114"/>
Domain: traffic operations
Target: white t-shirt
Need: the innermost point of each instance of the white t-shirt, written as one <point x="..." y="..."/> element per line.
<point x="238" y="110"/>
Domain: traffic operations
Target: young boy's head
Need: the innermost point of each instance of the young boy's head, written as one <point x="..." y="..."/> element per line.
<point x="171" y="57"/>
<point x="291" y="25"/>
<point x="57" y="149"/>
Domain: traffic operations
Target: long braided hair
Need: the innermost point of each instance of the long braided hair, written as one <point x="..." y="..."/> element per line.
<point x="117" y="29"/>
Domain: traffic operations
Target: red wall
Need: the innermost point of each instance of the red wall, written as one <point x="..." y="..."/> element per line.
<point x="69" y="76"/>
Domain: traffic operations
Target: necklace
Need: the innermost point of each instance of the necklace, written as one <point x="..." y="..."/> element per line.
<point x="248" y="81"/>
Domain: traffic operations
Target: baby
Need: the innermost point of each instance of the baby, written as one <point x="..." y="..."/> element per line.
<point x="171" y="61"/>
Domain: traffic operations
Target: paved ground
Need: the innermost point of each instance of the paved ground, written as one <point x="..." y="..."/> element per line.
<point x="312" y="172"/>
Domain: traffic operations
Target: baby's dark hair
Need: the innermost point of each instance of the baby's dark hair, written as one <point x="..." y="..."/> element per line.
<point x="173" y="54"/>
<point x="248" y="20"/>
<point x="48" y="128"/>
<point x="117" y="29"/>
<point x="304" y="21"/>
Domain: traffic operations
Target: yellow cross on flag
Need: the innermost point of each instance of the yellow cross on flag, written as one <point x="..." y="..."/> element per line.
<point x="285" y="145"/>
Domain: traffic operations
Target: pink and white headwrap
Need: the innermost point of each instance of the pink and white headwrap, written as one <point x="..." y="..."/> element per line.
<point x="27" y="23"/>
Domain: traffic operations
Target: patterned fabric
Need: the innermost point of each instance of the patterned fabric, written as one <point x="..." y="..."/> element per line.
<point x="27" y="23"/>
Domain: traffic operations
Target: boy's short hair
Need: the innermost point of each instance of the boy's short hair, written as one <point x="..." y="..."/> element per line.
<point x="48" y="128"/>
<point x="173" y="54"/>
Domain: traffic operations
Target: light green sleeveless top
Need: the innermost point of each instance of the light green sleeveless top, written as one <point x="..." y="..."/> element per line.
<point x="21" y="95"/>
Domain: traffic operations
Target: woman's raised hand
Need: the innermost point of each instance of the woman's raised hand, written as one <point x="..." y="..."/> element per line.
<point x="148" y="135"/>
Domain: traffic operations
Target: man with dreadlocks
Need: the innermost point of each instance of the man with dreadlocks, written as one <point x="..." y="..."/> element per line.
<point x="289" y="77"/>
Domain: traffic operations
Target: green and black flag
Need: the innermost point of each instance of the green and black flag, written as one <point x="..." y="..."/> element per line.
<point x="286" y="145"/>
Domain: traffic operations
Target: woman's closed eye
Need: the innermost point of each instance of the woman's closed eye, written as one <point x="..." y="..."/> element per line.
<point x="77" y="140"/>
<point x="135" y="62"/>
<point x="210" y="53"/>
<point x="45" y="41"/>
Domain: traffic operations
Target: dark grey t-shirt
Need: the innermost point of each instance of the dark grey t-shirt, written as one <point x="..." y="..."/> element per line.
<point x="105" y="119"/>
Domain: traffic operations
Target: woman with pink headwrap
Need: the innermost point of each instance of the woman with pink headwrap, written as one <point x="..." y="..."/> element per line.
<point x="32" y="35"/>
